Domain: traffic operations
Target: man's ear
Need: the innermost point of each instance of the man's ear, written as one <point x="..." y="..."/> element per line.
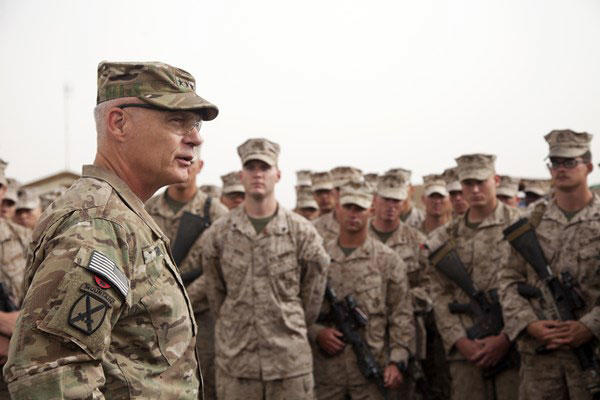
<point x="115" y="124"/>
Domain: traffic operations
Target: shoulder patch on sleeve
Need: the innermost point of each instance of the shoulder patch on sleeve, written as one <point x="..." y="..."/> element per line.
<point x="107" y="269"/>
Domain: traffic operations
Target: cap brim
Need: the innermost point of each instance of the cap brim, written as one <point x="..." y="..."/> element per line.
<point x="506" y="192"/>
<point x="356" y="200"/>
<point x="233" y="189"/>
<point x="260" y="157"/>
<point x="537" y="191"/>
<point x="566" y="153"/>
<point x="436" y="189"/>
<point x="480" y="175"/>
<point x="322" y="186"/>
<point x="454" y="187"/>
<point x="396" y="194"/>
<point x="307" y="204"/>
<point x="188" y="101"/>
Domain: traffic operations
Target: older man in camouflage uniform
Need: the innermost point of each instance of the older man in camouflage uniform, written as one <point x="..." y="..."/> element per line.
<point x="477" y="239"/>
<point x="167" y="210"/>
<point x="233" y="193"/>
<point x="376" y="276"/>
<point x="106" y="314"/>
<point x="327" y="225"/>
<point x="266" y="269"/>
<point x="568" y="230"/>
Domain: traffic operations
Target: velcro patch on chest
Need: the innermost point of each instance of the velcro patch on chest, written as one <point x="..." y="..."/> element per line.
<point x="108" y="270"/>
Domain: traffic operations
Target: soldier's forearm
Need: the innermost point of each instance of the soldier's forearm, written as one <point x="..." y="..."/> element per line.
<point x="8" y="321"/>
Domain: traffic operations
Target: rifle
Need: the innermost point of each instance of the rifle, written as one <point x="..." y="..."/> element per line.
<point x="191" y="226"/>
<point x="522" y="237"/>
<point x="6" y="304"/>
<point x="347" y="317"/>
<point x="484" y="308"/>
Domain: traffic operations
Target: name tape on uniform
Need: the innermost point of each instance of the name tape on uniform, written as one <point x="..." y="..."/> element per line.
<point x="105" y="267"/>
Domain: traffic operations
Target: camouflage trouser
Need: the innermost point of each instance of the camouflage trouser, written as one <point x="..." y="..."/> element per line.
<point x="468" y="383"/>
<point x="548" y="377"/>
<point x="205" y="347"/>
<point x="435" y="365"/>
<point x="336" y="392"/>
<point x="231" y="388"/>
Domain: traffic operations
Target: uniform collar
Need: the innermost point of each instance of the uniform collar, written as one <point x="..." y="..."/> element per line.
<point x="590" y="212"/>
<point x="497" y="217"/>
<point x="276" y="226"/>
<point x="363" y="251"/>
<point x="129" y="198"/>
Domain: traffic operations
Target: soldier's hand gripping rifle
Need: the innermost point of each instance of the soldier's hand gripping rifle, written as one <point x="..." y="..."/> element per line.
<point x="522" y="237"/>
<point x="347" y="318"/>
<point x="484" y="308"/>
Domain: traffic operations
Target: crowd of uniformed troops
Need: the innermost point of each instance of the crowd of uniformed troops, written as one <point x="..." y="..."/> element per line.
<point x="221" y="293"/>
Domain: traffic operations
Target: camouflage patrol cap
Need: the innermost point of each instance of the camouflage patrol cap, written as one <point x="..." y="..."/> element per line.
<point x="567" y="143"/>
<point x="451" y="178"/>
<point x="434" y="184"/>
<point x="3" y="165"/>
<point x="28" y="200"/>
<point x="211" y="190"/>
<point x="303" y="178"/>
<point x="356" y="193"/>
<point x="155" y="83"/>
<point x="11" y="194"/>
<point x="508" y="186"/>
<point x="321" y="181"/>
<point x="305" y="198"/>
<point x="343" y="175"/>
<point x="371" y="179"/>
<point x="232" y="183"/>
<point x="392" y="186"/>
<point x="259" y="149"/>
<point x="541" y="187"/>
<point x="475" y="166"/>
<point x="406" y="174"/>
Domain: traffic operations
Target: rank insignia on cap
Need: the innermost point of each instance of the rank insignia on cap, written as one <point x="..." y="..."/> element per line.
<point x="109" y="271"/>
<point x="87" y="314"/>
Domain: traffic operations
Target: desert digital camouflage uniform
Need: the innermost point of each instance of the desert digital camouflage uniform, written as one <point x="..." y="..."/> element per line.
<point x="569" y="246"/>
<point x="168" y="221"/>
<point x="103" y="289"/>
<point x="14" y="240"/>
<point x="483" y="252"/>
<point x="376" y="276"/>
<point x="264" y="290"/>
<point x="327" y="226"/>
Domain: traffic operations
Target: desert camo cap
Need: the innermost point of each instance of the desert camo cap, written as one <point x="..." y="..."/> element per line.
<point x="155" y="83"/>
<point x="406" y="174"/>
<point x="434" y="183"/>
<point x="211" y="190"/>
<point x="357" y="193"/>
<point x="28" y="200"/>
<point x="475" y="166"/>
<point x="451" y="177"/>
<point x="343" y="175"/>
<point x="541" y="187"/>
<point x="303" y="178"/>
<point x="11" y="194"/>
<point x="508" y="186"/>
<point x="259" y="149"/>
<point x="392" y="186"/>
<point x="567" y="143"/>
<point x="232" y="183"/>
<point x="321" y="181"/>
<point x="371" y="180"/>
<point x="3" y="180"/>
<point x="305" y="198"/>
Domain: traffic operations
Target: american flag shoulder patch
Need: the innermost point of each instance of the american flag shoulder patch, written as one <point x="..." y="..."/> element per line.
<point x="107" y="269"/>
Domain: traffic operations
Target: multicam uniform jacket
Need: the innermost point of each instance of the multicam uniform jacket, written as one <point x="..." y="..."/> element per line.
<point x="569" y="246"/>
<point x="264" y="290"/>
<point x="14" y="240"/>
<point x="376" y="277"/>
<point x="483" y="251"/>
<point x="327" y="226"/>
<point x="106" y="314"/>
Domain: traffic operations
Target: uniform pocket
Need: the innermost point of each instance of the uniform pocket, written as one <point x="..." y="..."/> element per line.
<point x="285" y="273"/>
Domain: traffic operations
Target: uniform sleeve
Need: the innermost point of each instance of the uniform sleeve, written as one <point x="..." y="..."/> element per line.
<point x="314" y="262"/>
<point x="399" y="308"/>
<point x="213" y="276"/>
<point x="592" y="321"/>
<point x="516" y="310"/>
<point x="66" y="320"/>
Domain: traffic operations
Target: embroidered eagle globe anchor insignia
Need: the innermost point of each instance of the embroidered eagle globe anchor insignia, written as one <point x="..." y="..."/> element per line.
<point x="87" y="314"/>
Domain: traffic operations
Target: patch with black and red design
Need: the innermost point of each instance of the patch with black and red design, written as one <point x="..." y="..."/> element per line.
<point x="102" y="283"/>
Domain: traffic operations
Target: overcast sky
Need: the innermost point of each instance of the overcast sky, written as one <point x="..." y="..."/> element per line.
<point x="376" y="84"/>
